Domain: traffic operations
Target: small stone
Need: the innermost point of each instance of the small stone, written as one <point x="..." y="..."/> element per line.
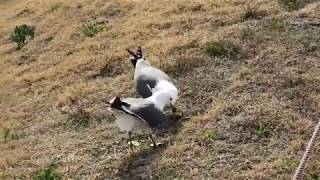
<point x="157" y="144"/>
<point x="134" y="143"/>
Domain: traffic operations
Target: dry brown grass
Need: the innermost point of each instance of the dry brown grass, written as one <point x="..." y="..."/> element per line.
<point x="261" y="105"/>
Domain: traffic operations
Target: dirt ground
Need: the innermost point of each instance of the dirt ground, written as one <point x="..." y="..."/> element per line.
<point x="246" y="112"/>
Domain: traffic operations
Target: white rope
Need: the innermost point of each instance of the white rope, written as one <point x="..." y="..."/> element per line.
<point x="299" y="172"/>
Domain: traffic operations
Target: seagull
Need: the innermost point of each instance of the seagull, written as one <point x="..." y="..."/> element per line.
<point x="149" y="79"/>
<point x="163" y="85"/>
<point x="140" y="115"/>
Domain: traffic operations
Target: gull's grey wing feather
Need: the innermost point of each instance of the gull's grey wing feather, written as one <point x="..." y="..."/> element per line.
<point x="146" y="78"/>
<point x="130" y="100"/>
<point x="154" y="73"/>
<point x="129" y="111"/>
<point x="144" y="85"/>
<point x="149" y="113"/>
<point x="127" y="121"/>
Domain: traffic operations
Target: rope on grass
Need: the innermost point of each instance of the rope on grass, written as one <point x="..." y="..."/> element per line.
<point x="299" y="172"/>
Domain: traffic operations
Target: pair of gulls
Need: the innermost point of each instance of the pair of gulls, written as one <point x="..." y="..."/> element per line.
<point x="143" y="115"/>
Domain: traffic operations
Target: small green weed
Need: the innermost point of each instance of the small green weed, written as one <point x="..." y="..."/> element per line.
<point x="289" y="164"/>
<point x="21" y="33"/>
<point x="222" y="49"/>
<point x="48" y="174"/>
<point x="209" y="135"/>
<point x="90" y="29"/>
<point x="5" y="133"/>
<point x="262" y="130"/>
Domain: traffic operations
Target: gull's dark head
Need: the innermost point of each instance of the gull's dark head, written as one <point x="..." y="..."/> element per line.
<point x="116" y="103"/>
<point x="135" y="56"/>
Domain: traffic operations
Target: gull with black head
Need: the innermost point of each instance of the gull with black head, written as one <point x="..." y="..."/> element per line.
<point x="138" y="115"/>
<point x="149" y="79"/>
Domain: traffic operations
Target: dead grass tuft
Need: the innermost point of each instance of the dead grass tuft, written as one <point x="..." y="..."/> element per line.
<point x="56" y="6"/>
<point x="252" y="11"/>
<point x="112" y="67"/>
<point x="79" y="117"/>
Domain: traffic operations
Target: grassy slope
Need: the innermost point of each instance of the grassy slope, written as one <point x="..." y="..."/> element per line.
<point x="260" y="106"/>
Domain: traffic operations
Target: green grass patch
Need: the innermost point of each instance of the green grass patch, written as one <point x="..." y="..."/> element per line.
<point x="21" y="34"/>
<point x="263" y="130"/>
<point x="90" y="29"/>
<point x="5" y="133"/>
<point x="209" y="135"/>
<point x="48" y="174"/>
<point x="222" y="48"/>
<point x="290" y="164"/>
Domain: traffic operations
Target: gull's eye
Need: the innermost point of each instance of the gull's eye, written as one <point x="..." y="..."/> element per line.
<point x="170" y="99"/>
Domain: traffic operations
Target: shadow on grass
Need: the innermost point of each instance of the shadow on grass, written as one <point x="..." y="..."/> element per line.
<point x="137" y="164"/>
